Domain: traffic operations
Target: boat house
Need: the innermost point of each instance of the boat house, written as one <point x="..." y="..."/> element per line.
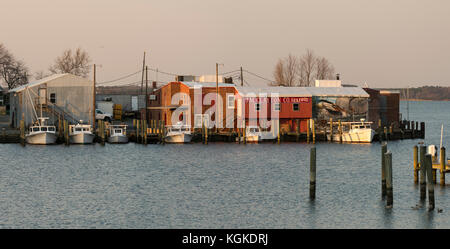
<point x="59" y="96"/>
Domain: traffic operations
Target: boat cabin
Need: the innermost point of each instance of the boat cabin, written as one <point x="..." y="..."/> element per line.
<point x="118" y="130"/>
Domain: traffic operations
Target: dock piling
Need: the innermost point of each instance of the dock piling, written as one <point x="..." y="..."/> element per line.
<point x="443" y="163"/>
<point x="308" y="128"/>
<point x="383" y="169"/>
<point x="331" y="129"/>
<point x="313" y="131"/>
<point x="415" y="163"/>
<point x="422" y="175"/>
<point x="389" y="187"/>
<point x="312" y="174"/>
<point x="430" y="185"/>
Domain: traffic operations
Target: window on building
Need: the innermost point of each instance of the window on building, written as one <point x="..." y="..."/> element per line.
<point x="230" y="101"/>
<point x="295" y="107"/>
<point x="53" y="98"/>
<point x="277" y="107"/>
<point x="257" y="106"/>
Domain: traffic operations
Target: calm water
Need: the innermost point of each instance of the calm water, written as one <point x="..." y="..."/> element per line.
<point x="221" y="185"/>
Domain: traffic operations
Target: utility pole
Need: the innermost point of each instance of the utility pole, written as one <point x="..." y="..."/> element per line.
<point x="217" y="96"/>
<point x="143" y="68"/>
<point x="146" y="93"/>
<point x="242" y="78"/>
<point x="93" y="100"/>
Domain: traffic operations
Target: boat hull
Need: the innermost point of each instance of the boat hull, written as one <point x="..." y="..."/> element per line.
<point x="365" y="136"/>
<point x="178" y="138"/>
<point x="250" y="139"/>
<point x="117" y="139"/>
<point x="82" y="138"/>
<point x="41" y="138"/>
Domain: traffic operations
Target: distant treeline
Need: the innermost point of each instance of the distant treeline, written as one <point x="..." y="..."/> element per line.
<point x="426" y="93"/>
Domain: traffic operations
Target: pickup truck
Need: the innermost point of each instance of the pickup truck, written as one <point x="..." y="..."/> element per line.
<point x="99" y="114"/>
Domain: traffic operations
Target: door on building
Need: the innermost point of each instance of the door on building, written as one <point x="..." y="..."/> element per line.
<point x="134" y="103"/>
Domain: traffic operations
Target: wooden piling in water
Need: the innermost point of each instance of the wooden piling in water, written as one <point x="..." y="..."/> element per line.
<point x="385" y="133"/>
<point x="244" y="134"/>
<point x="415" y="163"/>
<point x="145" y="132"/>
<point x="66" y="132"/>
<point x="430" y="185"/>
<point x="313" y="126"/>
<point x="422" y="175"/>
<point x="312" y="173"/>
<point x="383" y="169"/>
<point x="422" y="129"/>
<point x="308" y="124"/>
<point x="389" y="183"/>
<point x="340" y="131"/>
<point x="331" y="129"/>
<point x="22" y="131"/>
<point x="239" y="135"/>
<point x="443" y="163"/>
<point x="206" y="133"/>
<point x="297" y="133"/>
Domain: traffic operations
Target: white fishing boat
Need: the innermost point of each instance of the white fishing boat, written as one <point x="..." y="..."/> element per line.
<point x="117" y="134"/>
<point x="40" y="133"/>
<point x="359" y="132"/>
<point x="252" y="134"/>
<point x="81" y="134"/>
<point x="178" y="133"/>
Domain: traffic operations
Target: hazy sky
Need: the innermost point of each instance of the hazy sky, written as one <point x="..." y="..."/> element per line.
<point x="386" y="43"/>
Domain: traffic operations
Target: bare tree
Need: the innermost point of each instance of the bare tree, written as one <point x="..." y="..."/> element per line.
<point x="324" y="69"/>
<point x="307" y="66"/>
<point x="76" y="63"/>
<point x="286" y="71"/>
<point x="40" y="75"/>
<point x="294" y="71"/>
<point x="13" y="72"/>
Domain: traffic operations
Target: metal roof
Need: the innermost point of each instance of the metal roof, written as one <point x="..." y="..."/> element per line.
<point x="277" y="90"/>
<point x="304" y="91"/>
<point x="192" y="84"/>
<point x="38" y="82"/>
<point x="338" y="92"/>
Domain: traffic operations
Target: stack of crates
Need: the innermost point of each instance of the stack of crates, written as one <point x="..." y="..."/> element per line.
<point x="117" y="111"/>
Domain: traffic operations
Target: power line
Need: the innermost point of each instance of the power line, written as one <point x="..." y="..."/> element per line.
<point x="272" y="81"/>
<point x="121" y="78"/>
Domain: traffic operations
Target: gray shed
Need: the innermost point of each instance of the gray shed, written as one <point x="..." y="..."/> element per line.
<point x="60" y="95"/>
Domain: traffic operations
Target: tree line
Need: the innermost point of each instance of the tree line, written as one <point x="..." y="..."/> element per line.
<point x="302" y="70"/>
<point x="14" y="72"/>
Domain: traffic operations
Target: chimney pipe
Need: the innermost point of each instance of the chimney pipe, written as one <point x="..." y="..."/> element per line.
<point x="337" y="76"/>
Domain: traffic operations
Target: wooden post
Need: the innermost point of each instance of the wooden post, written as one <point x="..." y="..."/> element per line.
<point x="422" y="129"/>
<point x="206" y="133"/>
<point x="331" y="129"/>
<point x="379" y="129"/>
<point x="340" y="131"/>
<point x="443" y="163"/>
<point x="391" y="131"/>
<point x="22" y="131"/>
<point x="430" y="185"/>
<point x="385" y="134"/>
<point x="308" y="124"/>
<point x="66" y="132"/>
<point x="422" y="180"/>
<point x="279" y="132"/>
<point x="297" y="138"/>
<point x="312" y="173"/>
<point x="413" y="130"/>
<point x="383" y="169"/>
<point x="145" y="132"/>
<point x="244" y="134"/>
<point x="415" y="163"/>
<point x="389" y="188"/>
<point x="313" y="126"/>
<point x="239" y="135"/>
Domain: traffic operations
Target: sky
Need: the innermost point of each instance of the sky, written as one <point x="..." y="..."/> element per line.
<point x="383" y="43"/>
